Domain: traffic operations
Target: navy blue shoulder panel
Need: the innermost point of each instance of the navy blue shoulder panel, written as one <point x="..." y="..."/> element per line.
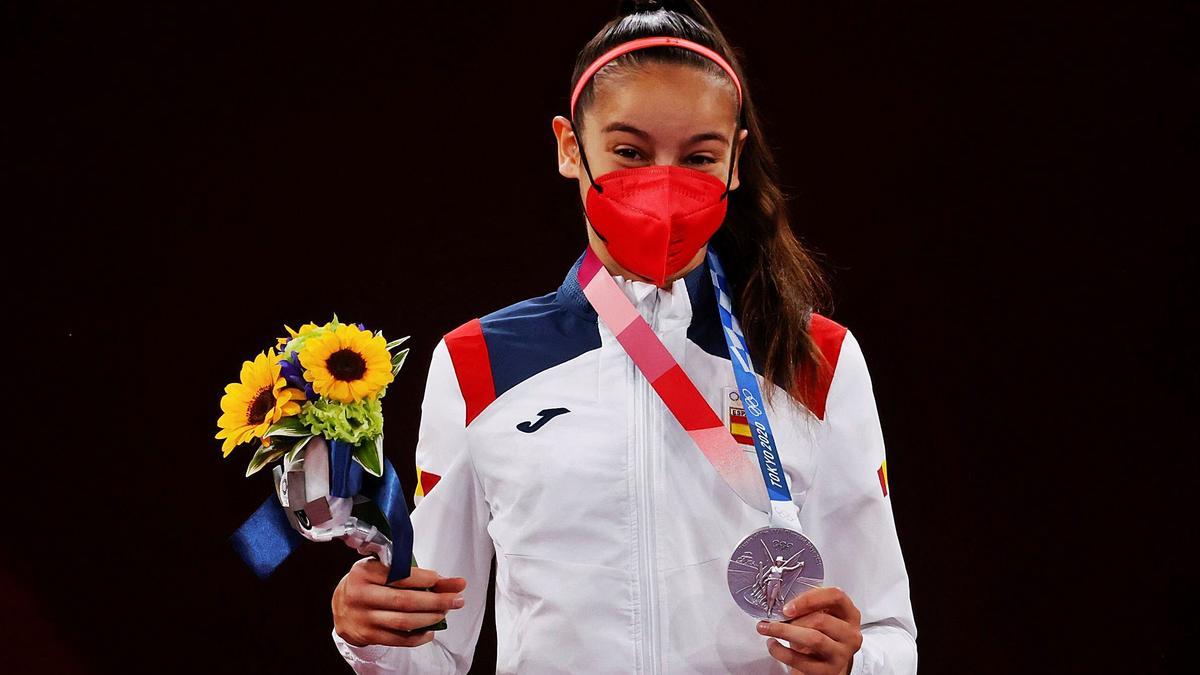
<point x="534" y="335"/>
<point x="705" y="329"/>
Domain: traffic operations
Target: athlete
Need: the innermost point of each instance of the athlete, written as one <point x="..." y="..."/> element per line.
<point x="556" y="444"/>
<point x="772" y="580"/>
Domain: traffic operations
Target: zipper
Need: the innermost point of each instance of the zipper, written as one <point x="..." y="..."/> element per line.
<point x="647" y="551"/>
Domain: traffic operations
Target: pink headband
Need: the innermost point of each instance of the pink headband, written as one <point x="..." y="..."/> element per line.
<point x="655" y="41"/>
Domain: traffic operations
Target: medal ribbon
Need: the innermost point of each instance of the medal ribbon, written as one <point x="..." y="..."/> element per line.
<point x="784" y="512"/>
<point x="681" y="396"/>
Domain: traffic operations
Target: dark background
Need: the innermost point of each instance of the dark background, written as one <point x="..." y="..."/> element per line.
<point x="996" y="189"/>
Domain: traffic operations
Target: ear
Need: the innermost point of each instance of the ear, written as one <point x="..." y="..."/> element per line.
<point x="568" y="147"/>
<point x="741" y="143"/>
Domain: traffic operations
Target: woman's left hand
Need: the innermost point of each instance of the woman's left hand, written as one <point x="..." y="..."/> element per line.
<point x="824" y="633"/>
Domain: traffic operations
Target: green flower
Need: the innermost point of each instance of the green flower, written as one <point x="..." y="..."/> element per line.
<point x="350" y="422"/>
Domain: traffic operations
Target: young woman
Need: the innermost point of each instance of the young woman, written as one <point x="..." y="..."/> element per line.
<point x="583" y="448"/>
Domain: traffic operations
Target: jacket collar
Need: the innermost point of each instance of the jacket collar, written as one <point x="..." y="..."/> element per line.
<point x="698" y="284"/>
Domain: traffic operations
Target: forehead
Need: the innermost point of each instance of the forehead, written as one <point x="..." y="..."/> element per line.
<point x="664" y="98"/>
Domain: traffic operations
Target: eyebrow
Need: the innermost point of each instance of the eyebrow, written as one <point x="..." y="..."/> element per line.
<point x="629" y="128"/>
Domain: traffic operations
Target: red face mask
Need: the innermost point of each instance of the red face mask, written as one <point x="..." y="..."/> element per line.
<point x="655" y="219"/>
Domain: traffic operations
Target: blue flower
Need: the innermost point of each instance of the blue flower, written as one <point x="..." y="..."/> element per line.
<point x="293" y="372"/>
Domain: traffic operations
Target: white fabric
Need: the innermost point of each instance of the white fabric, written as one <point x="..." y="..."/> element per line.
<point x="313" y="461"/>
<point x="596" y="574"/>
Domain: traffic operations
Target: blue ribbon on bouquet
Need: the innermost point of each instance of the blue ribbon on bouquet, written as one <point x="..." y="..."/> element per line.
<point x="267" y="538"/>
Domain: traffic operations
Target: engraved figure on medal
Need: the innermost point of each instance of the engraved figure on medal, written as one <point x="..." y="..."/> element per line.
<point x="770" y="567"/>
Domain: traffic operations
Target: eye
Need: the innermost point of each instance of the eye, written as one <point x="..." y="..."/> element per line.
<point x="627" y="153"/>
<point x="702" y="159"/>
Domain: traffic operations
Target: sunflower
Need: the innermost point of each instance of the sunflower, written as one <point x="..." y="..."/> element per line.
<point x="346" y="364"/>
<point x="251" y="406"/>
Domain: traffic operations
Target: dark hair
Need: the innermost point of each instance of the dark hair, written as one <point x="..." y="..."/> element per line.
<point x="776" y="284"/>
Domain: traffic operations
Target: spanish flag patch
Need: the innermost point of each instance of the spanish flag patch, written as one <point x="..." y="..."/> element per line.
<point x="425" y="483"/>
<point x="739" y="427"/>
<point x="882" y="471"/>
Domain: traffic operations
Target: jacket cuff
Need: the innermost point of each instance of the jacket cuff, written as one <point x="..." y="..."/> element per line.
<point x="858" y="665"/>
<point x="365" y="654"/>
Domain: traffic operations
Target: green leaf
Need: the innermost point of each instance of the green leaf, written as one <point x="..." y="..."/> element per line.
<point x="369" y="454"/>
<point x="368" y="512"/>
<point x="398" y="361"/>
<point x="396" y="343"/>
<point x="291" y="454"/>
<point x="264" y="456"/>
<point x="288" y="427"/>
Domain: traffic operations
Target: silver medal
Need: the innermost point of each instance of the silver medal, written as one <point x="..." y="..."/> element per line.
<point x="771" y="566"/>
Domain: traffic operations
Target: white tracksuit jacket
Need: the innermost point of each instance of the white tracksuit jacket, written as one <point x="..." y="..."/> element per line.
<point x="611" y="532"/>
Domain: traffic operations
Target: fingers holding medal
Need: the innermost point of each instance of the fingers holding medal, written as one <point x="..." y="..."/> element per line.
<point x="822" y="627"/>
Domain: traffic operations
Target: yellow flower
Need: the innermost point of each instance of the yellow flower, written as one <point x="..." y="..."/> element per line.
<point x="259" y="400"/>
<point x="292" y="333"/>
<point x="346" y="364"/>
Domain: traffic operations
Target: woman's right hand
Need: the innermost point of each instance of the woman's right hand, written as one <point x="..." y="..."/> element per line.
<point x="367" y="611"/>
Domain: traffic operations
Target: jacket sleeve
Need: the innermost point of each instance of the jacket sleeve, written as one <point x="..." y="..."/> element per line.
<point x="449" y="533"/>
<point x="848" y="515"/>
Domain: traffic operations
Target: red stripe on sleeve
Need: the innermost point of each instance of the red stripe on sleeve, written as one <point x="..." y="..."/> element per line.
<point x="472" y="366"/>
<point x="428" y="480"/>
<point x="828" y="336"/>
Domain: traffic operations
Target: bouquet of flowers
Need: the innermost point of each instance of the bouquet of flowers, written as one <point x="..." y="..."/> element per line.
<point x="312" y="403"/>
<point x="320" y="382"/>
